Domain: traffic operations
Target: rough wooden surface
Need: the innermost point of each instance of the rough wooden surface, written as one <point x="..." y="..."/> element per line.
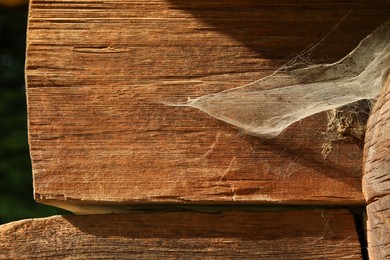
<point x="376" y="179"/>
<point x="98" y="72"/>
<point x="378" y="228"/>
<point x="257" y="235"/>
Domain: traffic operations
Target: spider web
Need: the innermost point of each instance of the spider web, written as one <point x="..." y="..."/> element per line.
<point x="268" y="106"/>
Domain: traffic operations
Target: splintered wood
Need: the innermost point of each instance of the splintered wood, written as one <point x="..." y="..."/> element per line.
<point x="98" y="74"/>
<point x="376" y="179"/>
<point x="228" y="235"/>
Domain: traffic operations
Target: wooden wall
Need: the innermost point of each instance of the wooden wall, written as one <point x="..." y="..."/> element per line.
<point x="102" y="139"/>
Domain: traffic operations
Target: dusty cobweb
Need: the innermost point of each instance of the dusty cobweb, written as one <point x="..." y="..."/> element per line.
<point x="345" y="89"/>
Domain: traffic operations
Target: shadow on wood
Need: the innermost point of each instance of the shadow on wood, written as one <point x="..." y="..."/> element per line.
<point x="278" y="30"/>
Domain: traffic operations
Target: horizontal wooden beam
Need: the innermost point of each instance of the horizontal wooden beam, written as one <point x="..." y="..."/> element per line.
<point x="328" y="234"/>
<point x="98" y="74"/>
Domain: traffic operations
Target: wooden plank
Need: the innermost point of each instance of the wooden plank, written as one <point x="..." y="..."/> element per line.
<point x="98" y="72"/>
<point x="260" y="235"/>
<point x="376" y="179"/>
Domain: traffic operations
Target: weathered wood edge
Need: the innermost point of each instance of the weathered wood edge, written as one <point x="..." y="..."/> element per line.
<point x="376" y="182"/>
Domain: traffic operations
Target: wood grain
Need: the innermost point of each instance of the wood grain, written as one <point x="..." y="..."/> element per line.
<point x="225" y="235"/>
<point x="378" y="228"/>
<point x="97" y="74"/>
<point x="376" y="179"/>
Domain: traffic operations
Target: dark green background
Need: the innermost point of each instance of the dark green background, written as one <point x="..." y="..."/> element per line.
<point x="16" y="193"/>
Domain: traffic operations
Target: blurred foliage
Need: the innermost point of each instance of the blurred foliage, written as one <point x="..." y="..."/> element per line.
<point x="13" y="3"/>
<point x="16" y="193"/>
